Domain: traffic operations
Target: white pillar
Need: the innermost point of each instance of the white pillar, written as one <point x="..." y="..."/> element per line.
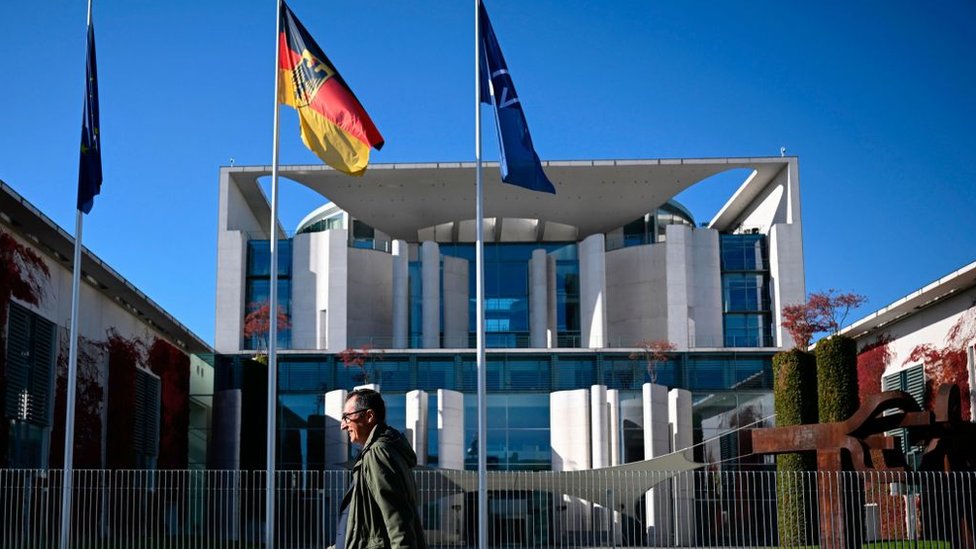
<point x="677" y="256"/>
<point x="538" y="300"/>
<point x="600" y="451"/>
<point x="657" y="443"/>
<point x="431" y="305"/>
<point x="569" y="420"/>
<point x="416" y="412"/>
<point x="401" y="294"/>
<point x="450" y="429"/>
<point x="613" y="405"/>
<point x="450" y="455"/>
<point x="336" y="441"/>
<point x="706" y="295"/>
<point x="679" y="416"/>
<point x="599" y="427"/>
<point x="593" y="286"/>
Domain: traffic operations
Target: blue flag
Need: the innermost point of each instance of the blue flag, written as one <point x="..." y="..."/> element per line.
<point x="519" y="163"/>
<point x="90" y="166"/>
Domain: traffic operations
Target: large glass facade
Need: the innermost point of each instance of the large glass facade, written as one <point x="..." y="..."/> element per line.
<point x="727" y="390"/>
<point x="507" y="293"/>
<point x="257" y="292"/>
<point x="746" y="300"/>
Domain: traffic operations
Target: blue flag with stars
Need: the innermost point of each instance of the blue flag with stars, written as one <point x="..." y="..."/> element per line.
<point x="519" y="164"/>
<point x="90" y="166"/>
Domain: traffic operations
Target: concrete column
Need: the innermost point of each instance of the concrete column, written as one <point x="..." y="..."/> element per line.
<point x="450" y="455"/>
<point x="706" y="296"/>
<point x="679" y="417"/>
<point x="538" y="300"/>
<point x="401" y="294"/>
<point x="331" y="264"/>
<point x="304" y="313"/>
<point x="456" y="303"/>
<point x="416" y="411"/>
<point x="600" y="452"/>
<point x="593" y="282"/>
<point x="677" y="257"/>
<point x="613" y="404"/>
<point x="569" y="420"/>
<point x="786" y="280"/>
<point x="232" y="253"/>
<point x="657" y="443"/>
<point x="431" y="309"/>
<point x="450" y="429"/>
<point x="599" y="427"/>
<point x="552" y="336"/>
<point x="336" y="441"/>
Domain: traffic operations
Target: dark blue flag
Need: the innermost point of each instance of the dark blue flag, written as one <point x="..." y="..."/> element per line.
<point x="90" y="166"/>
<point x="519" y="163"/>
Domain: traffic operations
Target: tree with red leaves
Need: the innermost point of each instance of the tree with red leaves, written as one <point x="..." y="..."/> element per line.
<point x="24" y="275"/>
<point x="654" y="353"/>
<point x="948" y="364"/>
<point x="360" y="358"/>
<point x="824" y="312"/>
<point x="257" y="323"/>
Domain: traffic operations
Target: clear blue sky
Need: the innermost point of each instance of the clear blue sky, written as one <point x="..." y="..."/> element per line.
<point x="878" y="100"/>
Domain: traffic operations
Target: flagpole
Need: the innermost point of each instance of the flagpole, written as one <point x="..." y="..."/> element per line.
<point x="480" y="293"/>
<point x="273" y="310"/>
<point x="69" y="415"/>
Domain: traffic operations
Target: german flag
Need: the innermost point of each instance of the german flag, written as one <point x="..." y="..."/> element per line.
<point x="334" y="123"/>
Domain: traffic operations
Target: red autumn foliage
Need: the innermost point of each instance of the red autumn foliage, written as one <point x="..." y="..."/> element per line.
<point x="871" y="364"/>
<point x="23" y="274"/>
<point x="359" y="358"/>
<point x="948" y="364"/>
<point x="823" y="312"/>
<point x="123" y="356"/>
<point x="654" y="353"/>
<point x="89" y="402"/>
<point x="257" y="323"/>
<point x="173" y="368"/>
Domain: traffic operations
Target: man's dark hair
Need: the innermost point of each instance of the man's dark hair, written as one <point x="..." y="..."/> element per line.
<point x="369" y="399"/>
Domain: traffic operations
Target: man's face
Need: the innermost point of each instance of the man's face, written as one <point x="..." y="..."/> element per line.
<point x="357" y="422"/>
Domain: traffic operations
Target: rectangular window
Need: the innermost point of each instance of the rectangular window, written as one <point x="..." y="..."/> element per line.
<point x="27" y="396"/>
<point x="912" y="381"/>
<point x="145" y="436"/>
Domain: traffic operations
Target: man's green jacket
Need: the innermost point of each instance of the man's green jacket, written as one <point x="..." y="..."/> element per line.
<point x="382" y="501"/>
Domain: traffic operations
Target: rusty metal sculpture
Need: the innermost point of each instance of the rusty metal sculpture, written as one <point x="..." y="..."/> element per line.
<point x="950" y="445"/>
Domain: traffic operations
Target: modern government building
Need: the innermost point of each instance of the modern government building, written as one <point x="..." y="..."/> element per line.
<point x="577" y="286"/>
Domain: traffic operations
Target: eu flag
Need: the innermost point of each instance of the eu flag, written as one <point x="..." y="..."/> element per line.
<point x="90" y="166"/>
<point x="519" y="163"/>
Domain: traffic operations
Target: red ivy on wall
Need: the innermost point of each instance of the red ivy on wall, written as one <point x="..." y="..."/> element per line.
<point x="23" y="275"/>
<point x="123" y="356"/>
<point x="871" y="364"/>
<point x="947" y="364"/>
<point x="173" y="368"/>
<point x="89" y="402"/>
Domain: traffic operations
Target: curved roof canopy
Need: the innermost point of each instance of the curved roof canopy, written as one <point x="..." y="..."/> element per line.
<point x="593" y="196"/>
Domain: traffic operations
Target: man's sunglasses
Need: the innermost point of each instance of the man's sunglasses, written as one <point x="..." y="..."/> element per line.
<point x="348" y="415"/>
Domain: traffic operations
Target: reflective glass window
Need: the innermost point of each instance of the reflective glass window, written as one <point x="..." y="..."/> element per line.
<point x="745" y="292"/>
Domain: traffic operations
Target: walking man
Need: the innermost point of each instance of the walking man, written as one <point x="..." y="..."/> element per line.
<point x="380" y="508"/>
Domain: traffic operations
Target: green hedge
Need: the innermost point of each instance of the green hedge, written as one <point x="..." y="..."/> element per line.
<point x="795" y="403"/>
<point x="837" y="378"/>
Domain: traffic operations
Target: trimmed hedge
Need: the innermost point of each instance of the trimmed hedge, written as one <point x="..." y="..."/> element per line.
<point x="795" y="403"/>
<point x="837" y="378"/>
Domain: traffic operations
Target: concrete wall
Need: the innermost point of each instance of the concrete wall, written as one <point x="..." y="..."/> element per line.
<point x="786" y="278"/>
<point x="370" y="301"/>
<point x="636" y="286"/>
<point x="431" y="300"/>
<point x="336" y="441"/>
<point x="456" y="316"/>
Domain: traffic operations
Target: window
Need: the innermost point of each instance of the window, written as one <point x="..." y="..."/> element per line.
<point x="257" y="289"/>
<point x="29" y="383"/>
<point x="145" y="435"/>
<point x="912" y="381"/>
